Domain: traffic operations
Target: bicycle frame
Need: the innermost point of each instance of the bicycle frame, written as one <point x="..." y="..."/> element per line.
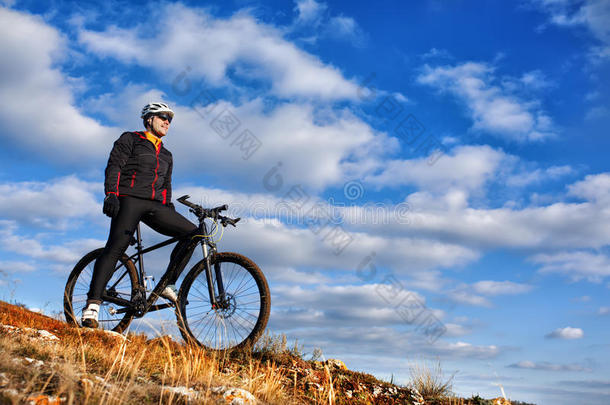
<point x="174" y="270"/>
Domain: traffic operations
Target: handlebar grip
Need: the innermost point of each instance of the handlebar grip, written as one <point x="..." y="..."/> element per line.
<point x="184" y="200"/>
<point x="221" y="208"/>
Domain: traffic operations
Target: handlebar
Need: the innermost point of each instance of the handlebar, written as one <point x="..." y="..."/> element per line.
<point x="213" y="213"/>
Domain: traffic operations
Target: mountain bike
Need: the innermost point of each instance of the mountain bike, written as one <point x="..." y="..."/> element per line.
<point x="223" y="301"/>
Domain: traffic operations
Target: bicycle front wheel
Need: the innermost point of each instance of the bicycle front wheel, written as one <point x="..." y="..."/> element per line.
<point x="240" y="319"/>
<point x="123" y="284"/>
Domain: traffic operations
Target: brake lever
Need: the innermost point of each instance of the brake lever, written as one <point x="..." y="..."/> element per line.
<point x="229" y="221"/>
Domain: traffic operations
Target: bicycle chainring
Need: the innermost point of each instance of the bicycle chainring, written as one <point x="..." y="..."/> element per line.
<point x="139" y="302"/>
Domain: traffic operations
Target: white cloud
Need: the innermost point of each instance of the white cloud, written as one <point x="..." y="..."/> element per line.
<point x="66" y="254"/>
<point x="603" y="384"/>
<point x="604" y="311"/>
<point x="492" y="107"/>
<point x="463" y="230"/>
<point x="535" y="80"/>
<point x="566" y="333"/>
<point x="464" y="296"/>
<point x="338" y="305"/>
<point x="288" y="248"/>
<point x="38" y="106"/>
<point x="592" y="14"/>
<point x="450" y="218"/>
<point x="389" y="342"/>
<point x="546" y="366"/>
<point x="435" y="53"/>
<point x="595" y="187"/>
<point x="477" y="293"/>
<point x="577" y="265"/>
<point x="493" y="288"/>
<point x="468" y="350"/>
<point x="17" y="266"/>
<point x="343" y="27"/>
<point x="51" y="203"/>
<point x="296" y="277"/>
<point x="313" y="20"/>
<point x="210" y="46"/>
<point x="291" y="133"/>
<point x="597" y="113"/>
<point x="280" y="246"/>
<point x="528" y="177"/>
<point x="464" y="167"/>
<point x="309" y="11"/>
<point x="454" y="329"/>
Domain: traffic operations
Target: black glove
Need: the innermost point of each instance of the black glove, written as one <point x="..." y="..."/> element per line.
<point x="111" y="205"/>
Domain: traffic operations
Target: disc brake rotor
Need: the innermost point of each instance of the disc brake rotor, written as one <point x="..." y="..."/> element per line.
<point x="228" y="308"/>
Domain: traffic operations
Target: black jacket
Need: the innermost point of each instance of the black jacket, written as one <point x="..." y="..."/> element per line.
<point x="137" y="169"/>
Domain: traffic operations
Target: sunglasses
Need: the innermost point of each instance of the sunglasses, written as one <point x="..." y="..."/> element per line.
<point x="165" y="117"/>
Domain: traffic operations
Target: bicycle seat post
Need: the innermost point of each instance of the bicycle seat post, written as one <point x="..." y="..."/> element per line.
<point x="140" y="255"/>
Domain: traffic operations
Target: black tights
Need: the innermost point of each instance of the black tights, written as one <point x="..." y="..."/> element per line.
<point x="159" y="217"/>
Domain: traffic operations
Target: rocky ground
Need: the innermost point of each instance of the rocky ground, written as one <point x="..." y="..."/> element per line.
<point x="45" y="361"/>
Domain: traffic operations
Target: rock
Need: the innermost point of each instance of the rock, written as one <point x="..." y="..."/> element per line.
<point x="46" y="335"/>
<point x="3" y="380"/>
<point x="11" y="393"/>
<point x="335" y="364"/>
<point x="102" y="381"/>
<point x="39" y="334"/>
<point x="116" y="334"/>
<point x="34" y="362"/>
<point x="86" y="383"/>
<point x="9" y="328"/>
<point x="417" y="397"/>
<point x="317" y="365"/>
<point x="235" y="396"/>
<point x="45" y="400"/>
<point x="110" y="333"/>
<point x="315" y="386"/>
<point x="188" y="394"/>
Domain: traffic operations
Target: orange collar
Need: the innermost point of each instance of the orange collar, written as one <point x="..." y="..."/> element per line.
<point x="155" y="140"/>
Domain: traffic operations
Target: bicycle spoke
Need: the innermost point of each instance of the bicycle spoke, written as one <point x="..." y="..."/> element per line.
<point x="236" y="319"/>
<point x="249" y="302"/>
<point x="119" y="285"/>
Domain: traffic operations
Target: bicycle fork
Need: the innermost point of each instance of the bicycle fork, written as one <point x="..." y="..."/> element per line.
<point x="221" y="302"/>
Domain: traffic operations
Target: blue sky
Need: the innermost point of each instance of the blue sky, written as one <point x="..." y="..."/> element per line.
<point x="459" y="147"/>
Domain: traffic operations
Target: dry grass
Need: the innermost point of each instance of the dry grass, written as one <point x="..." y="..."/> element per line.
<point x="95" y="367"/>
<point x="429" y="381"/>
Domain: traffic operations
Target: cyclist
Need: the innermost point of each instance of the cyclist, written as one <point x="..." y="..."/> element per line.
<point x="138" y="188"/>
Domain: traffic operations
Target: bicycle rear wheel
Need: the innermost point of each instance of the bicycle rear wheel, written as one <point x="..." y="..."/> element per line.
<point x="240" y="320"/>
<point x="122" y="284"/>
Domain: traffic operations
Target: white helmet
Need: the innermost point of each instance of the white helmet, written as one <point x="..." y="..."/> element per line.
<point x="156" y="108"/>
